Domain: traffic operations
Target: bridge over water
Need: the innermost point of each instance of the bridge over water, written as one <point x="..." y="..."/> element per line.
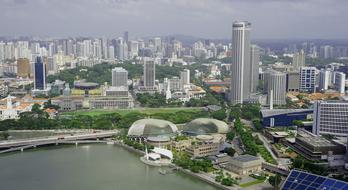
<point x="20" y="145"/>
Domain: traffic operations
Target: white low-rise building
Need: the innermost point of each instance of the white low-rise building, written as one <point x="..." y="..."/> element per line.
<point x="12" y="110"/>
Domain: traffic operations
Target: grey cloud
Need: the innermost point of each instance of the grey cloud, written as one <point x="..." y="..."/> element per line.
<point x="205" y="18"/>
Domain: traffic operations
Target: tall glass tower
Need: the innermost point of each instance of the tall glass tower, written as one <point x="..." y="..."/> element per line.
<point x="40" y="74"/>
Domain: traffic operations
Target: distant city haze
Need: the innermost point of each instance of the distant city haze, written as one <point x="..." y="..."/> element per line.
<point x="270" y="19"/>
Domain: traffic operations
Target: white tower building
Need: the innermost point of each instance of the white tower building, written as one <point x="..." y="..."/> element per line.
<point x="240" y="68"/>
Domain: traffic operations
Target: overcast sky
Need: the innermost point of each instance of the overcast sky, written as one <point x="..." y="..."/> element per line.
<point x="201" y="18"/>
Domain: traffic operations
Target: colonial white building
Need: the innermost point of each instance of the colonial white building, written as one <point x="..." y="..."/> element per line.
<point x="12" y="110"/>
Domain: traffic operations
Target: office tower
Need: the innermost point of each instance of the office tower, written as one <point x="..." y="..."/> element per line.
<point x="23" y="67"/>
<point x="293" y="81"/>
<point x="185" y="77"/>
<point x="157" y="44"/>
<point x="126" y="37"/>
<point x="39" y="74"/>
<point x="254" y="68"/>
<point x="149" y="74"/>
<point x="119" y="77"/>
<point x="330" y="117"/>
<point x="105" y="52"/>
<point x="276" y="84"/>
<point x="120" y="49"/>
<point x="340" y="82"/>
<point x="240" y="70"/>
<point x="299" y="59"/>
<point x="134" y="48"/>
<point x="307" y="79"/>
<point x="111" y="54"/>
<point x="324" y="79"/>
<point x="125" y="51"/>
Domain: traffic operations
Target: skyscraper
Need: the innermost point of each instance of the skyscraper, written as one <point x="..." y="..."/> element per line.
<point x="39" y="74"/>
<point x="240" y="68"/>
<point x="119" y="77"/>
<point x="254" y="68"/>
<point x="149" y="74"/>
<point x="276" y="84"/>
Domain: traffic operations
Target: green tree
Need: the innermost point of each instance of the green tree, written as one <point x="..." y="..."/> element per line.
<point x="220" y="114"/>
<point x="275" y="181"/>
<point x="230" y="151"/>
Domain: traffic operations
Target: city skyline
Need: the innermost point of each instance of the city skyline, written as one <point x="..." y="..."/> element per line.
<point x="207" y="19"/>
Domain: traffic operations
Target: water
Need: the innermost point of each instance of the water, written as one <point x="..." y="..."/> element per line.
<point x="87" y="167"/>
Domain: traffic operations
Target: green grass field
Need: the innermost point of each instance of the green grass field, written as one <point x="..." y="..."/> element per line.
<point x="251" y="183"/>
<point x="126" y="111"/>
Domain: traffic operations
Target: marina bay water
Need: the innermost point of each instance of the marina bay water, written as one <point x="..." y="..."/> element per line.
<point x="87" y="167"/>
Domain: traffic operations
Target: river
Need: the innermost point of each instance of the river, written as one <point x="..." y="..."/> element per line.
<point x="87" y="167"/>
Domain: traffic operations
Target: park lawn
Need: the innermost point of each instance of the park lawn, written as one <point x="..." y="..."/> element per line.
<point x="251" y="183"/>
<point x="127" y="111"/>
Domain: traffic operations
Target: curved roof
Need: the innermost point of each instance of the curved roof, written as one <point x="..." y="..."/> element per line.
<point x="152" y="127"/>
<point x="203" y="126"/>
<point x="164" y="152"/>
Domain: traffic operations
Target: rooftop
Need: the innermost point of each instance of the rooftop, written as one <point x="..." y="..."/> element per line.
<point x="269" y="113"/>
<point x="245" y="158"/>
<point x="314" y="140"/>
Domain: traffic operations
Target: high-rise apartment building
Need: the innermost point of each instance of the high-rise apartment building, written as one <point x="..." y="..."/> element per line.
<point x="330" y="117"/>
<point x="299" y="59"/>
<point x="240" y="67"/>
<point x="119" y="77"/>
<point x="39" y="74"/>
<point x="340" y="82"/>
<point x="324" y="79"/>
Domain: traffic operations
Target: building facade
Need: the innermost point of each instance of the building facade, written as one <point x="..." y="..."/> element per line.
<point x="240" y="67"/>
<point x="149" y="74"/>
<point x="276" y="87"/>
<point x="40" y="74"/>
<point x="330" y="117"/>
<point x="307" y="79"/>
<point x="254" y="67"/>
<point x="119" y="77"/>
<point x="340" y="82"/>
